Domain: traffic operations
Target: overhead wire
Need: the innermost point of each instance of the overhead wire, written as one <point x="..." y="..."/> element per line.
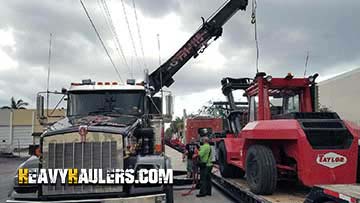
<point x="117" y="43"/>
<point x="253" y="21"/>
<point x="101" y="41"/>
<point x="130" y="32"/>
<point x="139" y="32"/>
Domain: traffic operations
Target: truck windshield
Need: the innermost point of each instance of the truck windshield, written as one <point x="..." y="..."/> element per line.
<point x="106" y="101"/>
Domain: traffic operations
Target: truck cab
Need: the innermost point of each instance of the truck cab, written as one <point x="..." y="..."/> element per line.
<point x="108" y="126"/>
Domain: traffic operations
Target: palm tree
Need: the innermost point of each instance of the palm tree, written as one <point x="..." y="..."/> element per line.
<point x="176" y="126"/>
<point x="19" y="104"/>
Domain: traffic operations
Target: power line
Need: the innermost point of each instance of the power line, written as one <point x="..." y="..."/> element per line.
<point x="117" y="43"/>
<point x="130" y="33"/>
<point x="101" y="41"/>
<point x="103" y="12"/>
<point x="139" y="32"/>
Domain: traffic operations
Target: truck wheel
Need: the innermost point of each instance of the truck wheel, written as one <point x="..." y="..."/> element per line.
<point x="169" y="194"/>
<point x="227" y="170"/>
<point x="261" y="173"/>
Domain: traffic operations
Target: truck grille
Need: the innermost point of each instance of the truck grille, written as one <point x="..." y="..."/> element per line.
<point x="88" y="155"/>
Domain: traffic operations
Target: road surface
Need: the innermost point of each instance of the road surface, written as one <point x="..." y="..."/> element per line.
<point x="8" y="167"/>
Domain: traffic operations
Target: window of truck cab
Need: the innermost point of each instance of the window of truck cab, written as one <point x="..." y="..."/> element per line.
<point x="284" y="101"/>
<point x="253" y="102"/>
<point x="85" y="102"/>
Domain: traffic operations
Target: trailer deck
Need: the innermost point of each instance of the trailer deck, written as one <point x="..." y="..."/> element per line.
<point x="238" y="189"/>
<point x="348" y="190"/>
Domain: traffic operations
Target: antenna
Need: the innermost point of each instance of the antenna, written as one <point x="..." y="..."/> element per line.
<point x="161" y="90"/>
<point x="158" y="41"/>
<point x="48" y="76"/>
<point x="306" y="63"/>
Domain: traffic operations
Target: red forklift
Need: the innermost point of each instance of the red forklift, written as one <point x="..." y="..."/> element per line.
<point x="285" y="137"/>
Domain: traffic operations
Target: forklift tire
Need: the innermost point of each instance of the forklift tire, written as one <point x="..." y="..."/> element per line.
<point x="169" y="191"/>
<point x="227" y="170"/>
<point x="261" y="172"/>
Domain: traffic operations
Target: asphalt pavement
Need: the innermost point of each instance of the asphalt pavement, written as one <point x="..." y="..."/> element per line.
<point x="8" y="167"/>
<point x="7" y="170"/>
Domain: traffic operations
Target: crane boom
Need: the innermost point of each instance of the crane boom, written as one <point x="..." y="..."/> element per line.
<point x="210" y="29"/>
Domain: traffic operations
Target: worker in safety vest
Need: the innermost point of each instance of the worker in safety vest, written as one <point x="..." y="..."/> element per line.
<point x="205" y="164"/>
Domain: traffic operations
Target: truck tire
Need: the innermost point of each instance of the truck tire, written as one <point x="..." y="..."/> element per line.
<point x="169" y="194"/>
<point x="227" y="170"/>
<point x="261" y="172"/>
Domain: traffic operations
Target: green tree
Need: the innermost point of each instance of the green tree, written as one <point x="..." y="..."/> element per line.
<point x="324" y="108"/>
<point x="212" y="110"/>
<point x="16" y="104"/>
<point x="176" y="126"/>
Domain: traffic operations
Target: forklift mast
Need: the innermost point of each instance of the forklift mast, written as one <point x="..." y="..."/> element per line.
<point x="235" y="112"/>
<point x="198" y="42"/>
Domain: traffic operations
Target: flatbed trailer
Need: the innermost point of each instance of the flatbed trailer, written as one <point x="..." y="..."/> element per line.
<point x="238" y="189"/>
<point x="137" y="199"/>
<point x="334" y="193"/>
<point x="288" y="192"/>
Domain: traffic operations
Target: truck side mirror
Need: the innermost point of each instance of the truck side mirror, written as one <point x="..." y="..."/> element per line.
<point x="40" y="106"/>
<point x="169" y="108"/>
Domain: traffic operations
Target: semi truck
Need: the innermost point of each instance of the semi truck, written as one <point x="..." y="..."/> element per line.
<point x="114" y="125"/>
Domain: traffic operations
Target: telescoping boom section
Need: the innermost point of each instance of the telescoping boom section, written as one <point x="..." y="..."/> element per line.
<point x="210" y="29"/>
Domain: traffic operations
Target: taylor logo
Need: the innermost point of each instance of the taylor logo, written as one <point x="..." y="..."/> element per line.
<point x="331" y="159"/>
<point x="83" y="131"/>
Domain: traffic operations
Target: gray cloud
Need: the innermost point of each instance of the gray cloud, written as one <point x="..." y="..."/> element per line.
<point x="287" y="30"/>
<point x="329" y="29"/>
<point x="77" y="53"/>
<point x="156" y="9"/>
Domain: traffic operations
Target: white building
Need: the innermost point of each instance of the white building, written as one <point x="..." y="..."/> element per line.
<point x="341" y="94"/>
<point x="17" y="127"/>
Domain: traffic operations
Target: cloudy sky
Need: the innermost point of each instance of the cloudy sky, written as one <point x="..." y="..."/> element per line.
<point x="328" y="29"/>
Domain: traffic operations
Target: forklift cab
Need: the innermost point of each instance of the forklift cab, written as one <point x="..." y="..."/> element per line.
<point x="271" y="98"/>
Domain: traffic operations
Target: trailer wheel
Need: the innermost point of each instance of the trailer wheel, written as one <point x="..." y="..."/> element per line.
<point x="169" y="194"/>
<point x="261" y="173"/>
<point x="227" y="170"/>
